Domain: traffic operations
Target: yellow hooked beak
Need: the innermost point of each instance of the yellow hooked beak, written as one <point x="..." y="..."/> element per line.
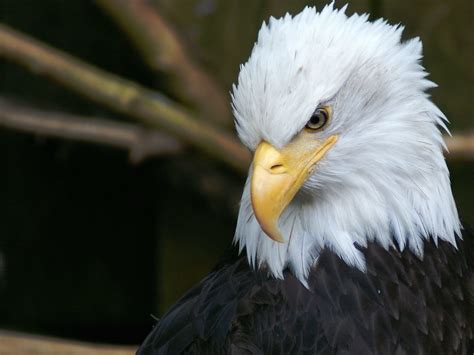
<point x="279" y="174"/>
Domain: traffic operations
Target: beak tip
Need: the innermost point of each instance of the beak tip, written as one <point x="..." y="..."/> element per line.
<point x="279" y="240"/>
<point x="276" y="236"/>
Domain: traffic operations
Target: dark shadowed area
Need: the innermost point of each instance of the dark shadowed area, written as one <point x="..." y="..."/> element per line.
<point x="94" y="242"/>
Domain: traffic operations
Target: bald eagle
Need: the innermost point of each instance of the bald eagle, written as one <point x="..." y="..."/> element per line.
<point x="348" y="239"/>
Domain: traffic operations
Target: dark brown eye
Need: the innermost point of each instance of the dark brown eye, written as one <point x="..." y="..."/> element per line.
<point x="318" y="120"/>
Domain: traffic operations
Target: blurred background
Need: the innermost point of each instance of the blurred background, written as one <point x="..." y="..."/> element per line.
<point x="121" y="172"/>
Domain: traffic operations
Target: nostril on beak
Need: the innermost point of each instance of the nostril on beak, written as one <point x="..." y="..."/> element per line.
<point x="277" y="169"/>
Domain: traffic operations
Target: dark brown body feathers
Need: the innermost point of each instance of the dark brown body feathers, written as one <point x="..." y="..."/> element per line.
<point x="401" y="305"/>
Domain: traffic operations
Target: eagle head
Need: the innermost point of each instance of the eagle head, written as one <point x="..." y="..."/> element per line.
<point x="347" y="144"/>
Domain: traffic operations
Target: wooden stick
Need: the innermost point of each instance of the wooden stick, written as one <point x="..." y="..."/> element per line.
<point x="122" y="96"/>
<point x="142" y="143"/>
<point x="460" y="146"/>
<point x="164" y="51"/>
<point x="22" y="344"/>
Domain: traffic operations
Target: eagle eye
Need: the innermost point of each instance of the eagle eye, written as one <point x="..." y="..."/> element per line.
<point x="318" y="119"/>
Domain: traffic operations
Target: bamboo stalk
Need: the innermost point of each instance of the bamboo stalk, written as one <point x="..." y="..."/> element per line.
<point x="164" y="51"/>
<point x="121" y="95"/>
<point x="141" y="143"/>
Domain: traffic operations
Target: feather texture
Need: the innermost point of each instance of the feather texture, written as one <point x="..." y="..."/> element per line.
<point x="385" y="176"/>
<point x="400" y="305"/>
<point x="375" y="261"/>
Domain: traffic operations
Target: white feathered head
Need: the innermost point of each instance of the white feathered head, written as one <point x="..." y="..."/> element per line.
<point x="347" y="143"/>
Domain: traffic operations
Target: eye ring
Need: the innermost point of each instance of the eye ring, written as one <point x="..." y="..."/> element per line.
<point x="319" y="119"/>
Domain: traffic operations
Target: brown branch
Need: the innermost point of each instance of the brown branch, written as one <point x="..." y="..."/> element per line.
<point x="140" y="142"/>
<point x="20" y="343"/>
<point x="460" y="146"/>
<point x="164" y="51"/>
<point x="122" y="95"/>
